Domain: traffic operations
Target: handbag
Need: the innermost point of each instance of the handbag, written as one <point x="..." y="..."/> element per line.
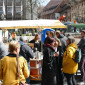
<point x="20" y="82"/>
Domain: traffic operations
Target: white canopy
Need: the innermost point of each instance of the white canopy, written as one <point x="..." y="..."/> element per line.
<point x="21" y="24"/>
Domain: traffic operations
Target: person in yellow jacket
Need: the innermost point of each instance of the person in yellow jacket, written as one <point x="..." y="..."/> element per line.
<point x="8" y="66"/>
<point x="69" y="65"/>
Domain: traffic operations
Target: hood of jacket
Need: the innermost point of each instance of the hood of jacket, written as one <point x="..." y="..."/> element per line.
<point x="74" y="45"/>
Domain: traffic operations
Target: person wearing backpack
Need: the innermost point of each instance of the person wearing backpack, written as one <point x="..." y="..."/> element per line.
<point x="69" y="65"/>
<point x="81" y="45"/>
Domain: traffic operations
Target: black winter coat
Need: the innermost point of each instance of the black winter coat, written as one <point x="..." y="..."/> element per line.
<point x="26" y="52"/>
<point x="81" y="45"/>
<point x="48" y="68"/>
<point x="59" y="61"/>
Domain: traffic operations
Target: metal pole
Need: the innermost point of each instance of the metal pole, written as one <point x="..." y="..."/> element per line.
<point x="4" y="35"/>
<point x="41" y="40"/>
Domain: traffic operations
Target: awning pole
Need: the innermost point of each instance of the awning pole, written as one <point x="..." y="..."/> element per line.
<point x="41" y="40"/>
<point x="4" y="35"/>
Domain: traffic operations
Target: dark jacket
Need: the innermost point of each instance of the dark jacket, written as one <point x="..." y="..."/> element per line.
<point x="60" y="57"/>
<point x="59" y="62"/>
<point x="48" y="68"/>
<point x="26" y="51"/>
<point x="32" y="41"/>
<point x="63" y="41"/>
<point x="36" y="44"/>
<point x="81" y="45"/>
<point x="46" y="40"/>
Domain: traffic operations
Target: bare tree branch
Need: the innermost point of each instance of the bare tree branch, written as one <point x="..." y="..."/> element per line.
<point x="31" y="4"/>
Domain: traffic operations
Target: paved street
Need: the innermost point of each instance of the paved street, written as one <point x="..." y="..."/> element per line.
<point x="77" y="77"/>
<point x="65" y="83"/>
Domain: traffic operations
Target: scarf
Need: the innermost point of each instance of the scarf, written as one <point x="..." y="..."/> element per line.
<point x="50" y="46"/>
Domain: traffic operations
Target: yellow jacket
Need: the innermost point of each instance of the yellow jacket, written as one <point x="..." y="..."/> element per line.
<point x="69" y="66"/>
<point x="8" y="70"/>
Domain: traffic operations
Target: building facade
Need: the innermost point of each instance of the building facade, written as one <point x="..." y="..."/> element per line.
<point x="49" y="10"/>
<point x="16" y="10"/>
<point x="73" y="12"/>
<point x="78" y="12"/>
<point x="55" y="9"/>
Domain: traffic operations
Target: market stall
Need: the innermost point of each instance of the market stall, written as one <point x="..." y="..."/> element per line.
<point x="36" y="63"/>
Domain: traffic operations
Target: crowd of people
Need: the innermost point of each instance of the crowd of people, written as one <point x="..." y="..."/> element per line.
<point x="58" y="54"/>
<point x="58" y="60"/>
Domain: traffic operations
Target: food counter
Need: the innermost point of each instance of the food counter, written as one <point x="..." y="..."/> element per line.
<point x="35" y="69"/>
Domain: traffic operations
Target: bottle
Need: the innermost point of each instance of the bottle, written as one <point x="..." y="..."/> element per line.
<point x="35" y="53"/>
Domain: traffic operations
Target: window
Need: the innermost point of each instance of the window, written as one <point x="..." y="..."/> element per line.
<point x="18" y="3"/>
<point x="9" y="10"/>
<point x="1" y="10"/>
<point x="1" y="3"/>
<point x="17" y="0"/>
<point x="18" y="9"/>
<point x="9" y="0"/>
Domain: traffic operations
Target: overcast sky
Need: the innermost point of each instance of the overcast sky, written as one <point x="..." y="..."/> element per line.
<point x="45" y="2"/>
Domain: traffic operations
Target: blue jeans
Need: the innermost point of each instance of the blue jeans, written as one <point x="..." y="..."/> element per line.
<point x="28" y="79"/>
